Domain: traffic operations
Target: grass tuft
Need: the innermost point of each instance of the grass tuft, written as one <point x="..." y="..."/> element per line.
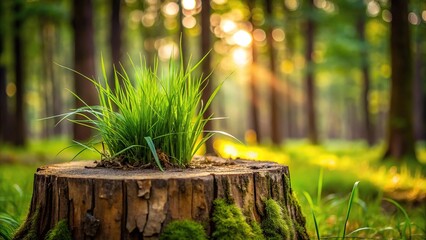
<point x="150" y="115"/>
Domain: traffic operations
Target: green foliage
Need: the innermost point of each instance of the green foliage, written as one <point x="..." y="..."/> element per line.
<point x="59" y="232"/>
<point x="230" y="223"/>
<point x="354" y="195"/>
<point x="184" y="230"/>
<point x="277" y="223"/>
<point x="407" y="223"/>
<point x="8" y="226"/>
<point x="154" y="116"/>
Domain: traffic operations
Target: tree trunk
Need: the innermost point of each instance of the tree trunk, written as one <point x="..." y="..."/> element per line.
<point x="419" y="83"/>
<point x="115" y="39"/>
<point x="84" y="62"/>
<point x="48" y="85"/>
<point x="183" y="37"/>
<point x="400" y="137"/>
<point x="254" y="100"/>
<point x="206" y="68"/>
<point x="290" y="120"/>
<point x="368" y="129"/>
<point x="105" y="203"/>
<point x="310" y="86"/>
<point x="273" y="84"/>
<point x="4" y="116"/>
<point x="18" y="47"/>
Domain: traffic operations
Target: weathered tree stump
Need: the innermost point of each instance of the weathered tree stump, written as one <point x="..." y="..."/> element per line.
<point x="101" y="203"/>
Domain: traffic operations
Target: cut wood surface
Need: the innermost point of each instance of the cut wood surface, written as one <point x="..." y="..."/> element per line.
<point x="105" y="203"/>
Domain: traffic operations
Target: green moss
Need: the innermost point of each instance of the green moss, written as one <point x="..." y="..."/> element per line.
<point x="59" y="232"/>
<point x="28" y="230"/>
<point x="185" y="229"/>
<point x="257" y="230"/>
<point x="277" y="223"/>
<point x="230" y="223"/>
<point x="300" y="220"/>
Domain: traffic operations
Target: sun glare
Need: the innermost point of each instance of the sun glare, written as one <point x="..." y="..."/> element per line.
<point x="168" y="50"/>
<point x="228" y="26"/>
<point x="240" y="56"/>
<point x="242" y="38"/>
<point x="188" y="4"/>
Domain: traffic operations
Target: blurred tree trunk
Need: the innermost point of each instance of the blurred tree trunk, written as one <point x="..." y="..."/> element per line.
<point x="4" y="113"/>
<point x="206" y="68"/>
<point x="4" y="116"/>
<point x="52" y="92"/>
<point x="310" y="86"/>
<point x="400" y="137"/>
<point x="419" y="83"/>
<point x="273" y="84"/>
<point x="183" y="37"/>
<point x="18" y="47"/>
<point x="83" y="60"/>
<point x="291" y="126"/>
<point x="254" y="101"/>
<point x="115" y="39"/>
<point x="368" y="129"/>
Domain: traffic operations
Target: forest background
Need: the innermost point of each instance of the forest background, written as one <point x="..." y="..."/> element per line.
<point x="312" y="83"/>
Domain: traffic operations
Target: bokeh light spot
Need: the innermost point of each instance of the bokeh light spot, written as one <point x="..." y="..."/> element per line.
<point x="189" y="22"/>
<point x="242" y="38"/>
<point x="171" y="9"/>
<point x="413" y="18"/>
<point x="240" y="56"/>
<point x="189" y="4"/>
<point x="278" y="35"/>
<point x="259" y="35"/>
<point x="10" y="89"/>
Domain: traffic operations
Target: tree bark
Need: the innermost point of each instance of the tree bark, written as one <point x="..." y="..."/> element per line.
<point x="19" y="63"/>
<point x="273" y="84"/>
<point x="368" y="129"/>
<point x="206" y="68"/>
<point x="310" y="86"/>
<point x="400" y="137"/>
<point x="118" y="204"/>
<point x="84" y="62"/>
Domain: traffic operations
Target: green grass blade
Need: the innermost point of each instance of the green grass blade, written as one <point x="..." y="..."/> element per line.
<point x="311" y="204"/>
<point x="407" y="218"/>
<point x="320" y="182"/>
<point x="351" y="200"/>
<point x="154" y="152"/>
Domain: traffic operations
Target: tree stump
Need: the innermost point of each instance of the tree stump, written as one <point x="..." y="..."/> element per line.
<point x="105" y="203"/>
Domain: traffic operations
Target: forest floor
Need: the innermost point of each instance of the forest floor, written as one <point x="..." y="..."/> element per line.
<point x="325" y="174"/>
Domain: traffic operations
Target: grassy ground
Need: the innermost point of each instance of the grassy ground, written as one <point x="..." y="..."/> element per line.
<point x="326" y="174"/>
